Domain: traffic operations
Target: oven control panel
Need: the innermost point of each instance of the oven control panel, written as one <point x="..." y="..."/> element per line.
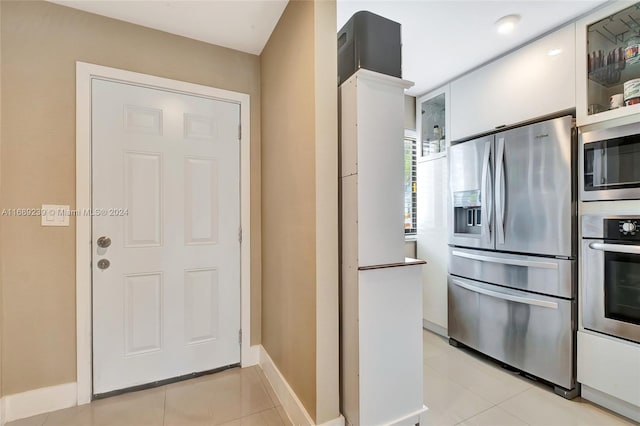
<point x="622" y="229"/>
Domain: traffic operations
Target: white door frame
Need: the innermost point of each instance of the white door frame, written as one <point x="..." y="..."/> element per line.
<point x="84" y="73"/>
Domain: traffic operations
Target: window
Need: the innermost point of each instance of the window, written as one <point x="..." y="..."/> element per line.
<point x="409" y="186"/>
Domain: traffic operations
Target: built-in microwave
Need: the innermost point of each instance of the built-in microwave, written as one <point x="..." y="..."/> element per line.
<point x="610" y="163"/>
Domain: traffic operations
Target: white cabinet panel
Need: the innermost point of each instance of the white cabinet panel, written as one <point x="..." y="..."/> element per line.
<point x="432" y="238"/>
<point x="389" y="319"/>
<point x="373" y="153"/>
<point x="610" y="365"/>
<point x="521" y="86"/>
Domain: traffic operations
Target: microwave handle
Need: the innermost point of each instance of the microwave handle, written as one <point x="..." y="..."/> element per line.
<point x="615" y="248"/>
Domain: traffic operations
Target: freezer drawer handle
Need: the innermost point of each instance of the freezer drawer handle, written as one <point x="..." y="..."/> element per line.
<point x="514" y="262"/>
<point x="509" y="297"/>
<point x="616" y="248"/>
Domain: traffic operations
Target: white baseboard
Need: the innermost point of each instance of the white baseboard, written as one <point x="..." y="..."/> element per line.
<point x="38" y="401"/>
<point x="251" y="357"/>
<point x="435" y="328"/>
<point x="610" y="402"/>
<point x="288" y="398"/>
<point x="411" y="419"/>
<point x="338" y="421"/>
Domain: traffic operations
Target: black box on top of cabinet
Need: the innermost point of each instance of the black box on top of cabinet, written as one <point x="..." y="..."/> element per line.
<point x="369" y="41"/>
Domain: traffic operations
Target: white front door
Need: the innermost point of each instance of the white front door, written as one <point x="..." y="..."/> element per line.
<point x="166" y="193"/>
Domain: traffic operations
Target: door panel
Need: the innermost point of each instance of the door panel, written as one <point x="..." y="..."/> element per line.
<point x="169" y="302"/>
<point x="533" y="186"/>
<point x="471" y="188"/>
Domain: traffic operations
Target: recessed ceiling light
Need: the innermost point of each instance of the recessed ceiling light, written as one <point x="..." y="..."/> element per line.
<point x="507" y="24"/>
<point x="554" y="52"/>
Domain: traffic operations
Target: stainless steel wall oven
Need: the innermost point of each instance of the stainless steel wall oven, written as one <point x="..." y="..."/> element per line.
<point x="611" y="275"/>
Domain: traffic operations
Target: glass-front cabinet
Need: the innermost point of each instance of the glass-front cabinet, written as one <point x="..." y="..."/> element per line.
<point x="432" y="120"/>
<point x="608" y="63"/>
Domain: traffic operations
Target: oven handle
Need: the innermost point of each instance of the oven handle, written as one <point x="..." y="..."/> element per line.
<point x="615" y="248"/>
<point x="503" y="261"/>
<point x="504" y="296"/>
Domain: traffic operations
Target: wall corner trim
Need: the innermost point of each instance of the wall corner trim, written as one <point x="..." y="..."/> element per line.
<point x="38" y="401"/>
<point x="288" y="398"/>
<point x="252" y="356"/>
<point x="338" y="421"/>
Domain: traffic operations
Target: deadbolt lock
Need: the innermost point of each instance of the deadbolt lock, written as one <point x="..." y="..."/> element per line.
<point x="104" y="242"/>
<point x="103" y="264"/>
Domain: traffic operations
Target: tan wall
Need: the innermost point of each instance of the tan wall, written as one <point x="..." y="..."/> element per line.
<point x="409" y="112"/>
<point x="327" y="243"/>
<point x="1" y="316"/>
<point x="40" y="44"/>
<point x="288" y="200"/>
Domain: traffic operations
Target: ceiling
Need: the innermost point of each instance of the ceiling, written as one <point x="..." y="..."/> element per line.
<point x="237" y="24"/>
<point x="441" y="38"/>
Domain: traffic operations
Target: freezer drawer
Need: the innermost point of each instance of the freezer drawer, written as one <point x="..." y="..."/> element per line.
<point x="530" y="332"/>
<point x="553" y="277"/>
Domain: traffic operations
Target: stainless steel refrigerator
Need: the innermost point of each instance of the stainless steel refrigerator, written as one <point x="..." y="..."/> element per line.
<point x="512" y="249"/>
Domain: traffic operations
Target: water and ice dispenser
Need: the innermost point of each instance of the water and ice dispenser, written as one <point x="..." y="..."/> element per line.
<point x="467" y="212"/>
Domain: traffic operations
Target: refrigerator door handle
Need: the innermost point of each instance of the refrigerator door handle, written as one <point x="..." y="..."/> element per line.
<point x="616" y="248"/>
<point x="500" y="192"/>
<point x="486" y="202"/>
<point x="503" y="261"/>
<point x="505" y="296"/>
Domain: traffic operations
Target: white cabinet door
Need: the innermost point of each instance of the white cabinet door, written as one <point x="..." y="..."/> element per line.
<point x="169" y="302"/>
<point x="529" y="83"/>
<point x="372" y="137"/>
<point x="432" y="238"/>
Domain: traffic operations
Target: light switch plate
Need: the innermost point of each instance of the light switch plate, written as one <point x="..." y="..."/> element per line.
<point x="55" y="215"/>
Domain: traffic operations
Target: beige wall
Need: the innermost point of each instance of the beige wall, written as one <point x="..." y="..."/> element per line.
<point x="327" y="243"/>
<point x="40" y="43"/>
<point x="409" y="112"/>
<point x="299" y="203"/>
<point x="288" y="200"/>
<point x="1" y="316"/>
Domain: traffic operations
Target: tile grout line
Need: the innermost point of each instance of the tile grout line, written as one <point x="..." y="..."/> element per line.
<point x="265" y="382"/>
<point x="509" y="399"/>
<point x="46" y="417"/>
<point x="477" y="414"/>
<point x="248" y="415"/>
<point x="164" y="408"/>
<point x="494" y="377"/>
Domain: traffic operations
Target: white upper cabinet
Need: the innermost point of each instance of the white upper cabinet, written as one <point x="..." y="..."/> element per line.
<point x="608" y="59"/>
<point x="534" y="81"/>
<point x="433" y="121"/>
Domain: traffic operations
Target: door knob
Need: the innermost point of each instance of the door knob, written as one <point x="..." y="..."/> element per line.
<point x="103" y="264"/>
<point x="104" y="242"/>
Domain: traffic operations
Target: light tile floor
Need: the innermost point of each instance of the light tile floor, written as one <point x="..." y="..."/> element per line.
<point x="236" y="397"/>
<point x="460" y="388"/>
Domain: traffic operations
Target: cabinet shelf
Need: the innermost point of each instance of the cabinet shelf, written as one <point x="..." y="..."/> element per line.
<point x="613" y="74"/>
<point x="430" y="157"/>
